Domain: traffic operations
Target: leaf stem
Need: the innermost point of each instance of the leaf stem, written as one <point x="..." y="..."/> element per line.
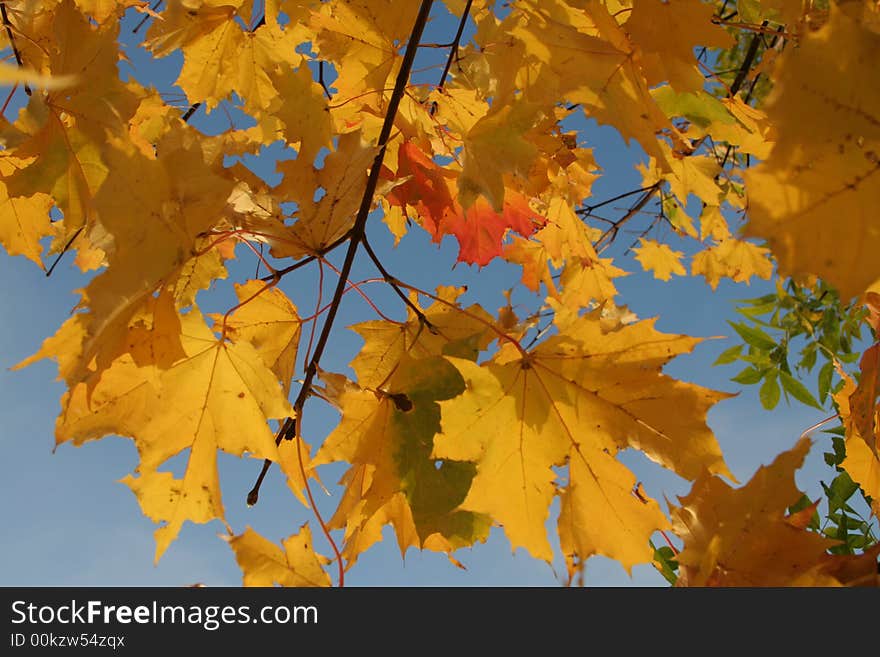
<point x="324" y="528"/>
<point x="806" y="432"/>
<point x="356" y="286"/>
<point x="311" y="258"/>
<point x="497" y="331"/>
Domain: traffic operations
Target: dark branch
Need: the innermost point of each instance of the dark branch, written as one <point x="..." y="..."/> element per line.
<point x="321" y="80"/>
<point x="11" y="38"/>
<point x="453" y="52"/>
<point x="192" y="110"/>
<point x="64" y="250"/>
<point x="147" y="17"/>
<point x="747" y="64"/>
<point x="587" y="210"/>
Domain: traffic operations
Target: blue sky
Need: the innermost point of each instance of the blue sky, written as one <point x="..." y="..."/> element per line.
<point x="67" y="520"/>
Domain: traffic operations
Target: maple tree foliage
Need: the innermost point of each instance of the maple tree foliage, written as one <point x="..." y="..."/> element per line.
<point x="456" y="418"/>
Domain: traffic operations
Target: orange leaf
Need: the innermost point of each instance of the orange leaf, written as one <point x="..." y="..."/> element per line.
<point x="480" y="230"/>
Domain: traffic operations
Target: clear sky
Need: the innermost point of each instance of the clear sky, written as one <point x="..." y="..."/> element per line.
<point x="67" y="520"/>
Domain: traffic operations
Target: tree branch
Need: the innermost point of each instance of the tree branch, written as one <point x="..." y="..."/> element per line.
<point x="291" y="426"/>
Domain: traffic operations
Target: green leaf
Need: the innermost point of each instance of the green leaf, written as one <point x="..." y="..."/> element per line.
<point x="728" y="355"/>
<point x="699" y="108"/>
<point x="760" y="359"/>
<point x="825" y="375"/>
<point x="857" y="542"/>
<point x="758" y="301"/>
<point x="754" y="336"/>
<point x="756" y="311"/>
<point x="808" y="358"/>
<point x="800" y="505"/>
<point x="664" y="558"/>
<point x="749" y="10"/>
<point x="842" y="488"/>
<point x="748" y="376"/>
<point x="769" y="393"/>
<point x="797" y="390"/>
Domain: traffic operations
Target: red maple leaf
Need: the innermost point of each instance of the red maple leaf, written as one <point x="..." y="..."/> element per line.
<point x="431" y="191"/>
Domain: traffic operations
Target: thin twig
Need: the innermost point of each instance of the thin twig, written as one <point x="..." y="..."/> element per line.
<point x="453" y="52"/>
<point x="392" y="281"/>
<point x="64" y="250"/>
<point x="360" y="223"/>
<point x="147" y="17"/>
<point x="632" y="212"/>
<point x="311" y="258"/>
<point x="746" y="66"/>
<point x="744" y="69"/>
<point x="588" y="209"/>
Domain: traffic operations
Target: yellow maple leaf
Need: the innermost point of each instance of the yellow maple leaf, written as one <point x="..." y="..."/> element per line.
<point x="858" y="411"/>
<point x="268" y="320"/>
<point x="62" y="132"/>
<point x="101" y="10"/>
<point x="591" y="62"/>
<point x="564" y="242"/>
<point x="220" y="58"/>
<point x="742" y="537"/>
<point x="493" y="146"/>
<point x="713" y="224"/>
<point x="343" y="177"/>
<point x="219" y="396"/>
<point x="731" y="258"/>
<point x="579" y="398"/>
<point x="724" y="119"/>
<point x="451" y="331"/>
<point x="24" y="221"/>
<point x="659" y="259"/>
<point x="812" y="199"/>
<point x="386" y="436"/>
<point x="686" y="175"/>
<point x="185" y="198"/>
<point x="667" y="33"/>
<point x="302" y="111"/>
<point x="263" y="563"/>
<point x="362" y="38"/>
